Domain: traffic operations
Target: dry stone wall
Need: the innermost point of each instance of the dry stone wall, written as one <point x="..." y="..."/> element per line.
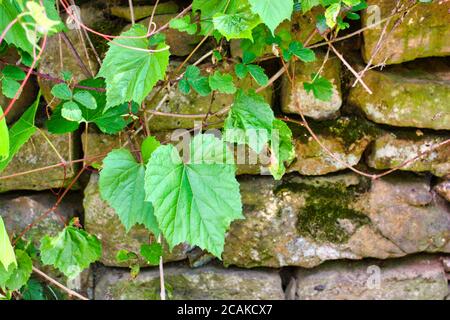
<point x="322" y="232"/>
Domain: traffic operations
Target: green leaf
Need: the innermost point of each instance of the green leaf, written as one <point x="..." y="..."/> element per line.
<point x="10" y="87"/>
<point x="122" y="186"/>
<point x="110" y="121"/>
<point x="307" y="5"/>
<point x="21" y="132"/>
<point x="321" y="87"/>
<point x="222" y="82"/>
<point x="296" y="48"/>
<point x="20" y="275"/>
<point x="241" y="70"/>
<point x="331" y="14"/>
<point x="7" y="256"/>
<point x="14" y="72"/>
<point x="71" y="111"/>
<point x="125" y="256"/>
<point x="184" y="25"/>
<point x="194" y="202"/>
<point x="195" y="80"/>
<point x="62" y="91"/>
<point x="237" y="25"/>
<point x="17" y="34"/>
<point x="131" y="74"/>
<point x="33" y="290"/>
<point x="152" y="253"/>
<point x="86" y="99"/>
<point x="209" y="8"/>
<point x="4" y="138"/>
<point x="282" y="149"/>
<point x="272" y="12"/>
<point x="258" y="74"/>
<point x="250" y="121"/>
<point x="149" y="145"/>
<point x="71" y="251"/>
<point x="38" y="13"/>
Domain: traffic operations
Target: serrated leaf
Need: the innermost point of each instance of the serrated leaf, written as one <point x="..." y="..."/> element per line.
<point x="331" y="14"/>
<point x="237" y="25"/>
<point x="13" y="72"/>
<point x="17" y="34"/>
<point x="71" y="111"/>
<point x="10" y="87"/>
<point x="222" y="82"/>
<point x="71" y="251"/>
<point x="122" y="186"/>
<point x="33" y="290"/>
<point x="195" y="80"/>
<point x="250" y="121"/>
<point x="194" y="202"/>
<point x="296" y="48"/>
<point x="125" y="256"/>
<point x="4" y="137"/>
<point x="21" y="132"/>
<point x="20" y="275"/>
<point x="7" y="256"/>
<point x="272" y="12"/>
<point x="61" y="91"/>
<point x="241" y="70"/>
<point x="131" y="74"/>
<point x="184" y="25"/>
<point x="307" y="5"/>
<point x="258" y="74"/>
<point x="209" y="8"/>
<point x="321" y="87"/>
<point x="85" y="99"/>
<point x="282" y="149"/>
<point x="152" y="253"/>
<point x="148" y="146"/>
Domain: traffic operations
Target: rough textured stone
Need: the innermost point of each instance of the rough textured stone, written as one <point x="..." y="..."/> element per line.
<point x="27" y="96"/>
<point x="38" y="153"/>
<point x="102" y="221"/>
<point x="183" y="283"/>
<point x="393" y="149"/>
<point x="413" y="278"/>
<point x="311" y="106"/>
<point x="443" y="189"/>
<point x="306" y="221"/>
<point x="346" y="138"/>
<point x="407" y="96"/>
<point x="423" y="32"/>
<point x="193" y="103"/>
<point x="141" y="12"/>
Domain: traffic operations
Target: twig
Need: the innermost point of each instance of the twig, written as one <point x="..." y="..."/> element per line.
<point x="77" y="57"/>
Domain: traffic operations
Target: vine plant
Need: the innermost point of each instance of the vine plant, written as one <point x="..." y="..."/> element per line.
<point x="182" y="198"/>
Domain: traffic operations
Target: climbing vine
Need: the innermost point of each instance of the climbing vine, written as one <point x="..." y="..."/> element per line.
<point x="181" y="196"/>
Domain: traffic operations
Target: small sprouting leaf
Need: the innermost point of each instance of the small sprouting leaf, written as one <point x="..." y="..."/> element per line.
<point x="125" y="256"/>
<point x="297" y="49"/>
<point x="196" y="201"/>
<point x="66" y="75"/>
<point x="281" y="147"/>
<point x="217" y="55"/>
<point x="194" y="79"/>
<point x="241" y="70"/>
<point x="71" y="251"/>
<point x="258" y="74"/>
<point x="130" y="70"/>
<point x="184" y="25"/>
<point x="20" y="275"/>
<point x="20" y="132"/>
<point x="151" y="252"/>
<point x="62" y="91"/>
<point x="222" y="82"/>
<point x="122" y="186"/>
<point x="37" y="12"/>
<point x="7" y="256"/>
<point x="13" y="72"/>
<point x="320" y="86"/>
<point x="4" y="138"/>
<point x="149" y="145"/>
<point x="71" y="111"/>
<point x="250" y="121"/>
<point x="272" y="12"/>
<point x="10" y="87"/>
<point x="86" y="99"/>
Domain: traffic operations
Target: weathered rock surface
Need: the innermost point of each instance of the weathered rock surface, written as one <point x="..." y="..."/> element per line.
<point x="443" y="189"/>
<point x="193" y="103"/>
<point x="311" y="106"/>
<point x="407" y="96"/>
<point x="38" y="153"/>
<point x="412" y="278"/>
<point x="102" y="221"/>
<point x="183" y="283"/>
<point x="141" y="12"/>
<point x="306" y="221"/>
<point x="346" y="138"/>
<point x="423" y="32"/>
<point x="393" y="149"/>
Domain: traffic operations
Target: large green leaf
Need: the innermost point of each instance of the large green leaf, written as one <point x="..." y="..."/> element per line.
<point x="282" y="149"/>
<point x="209" y="8"/>
<point x="132" y="73"/>
<point x="71" y="251"/>
<point x="109" y="121"/>
<point x="19" y="276"/>
<point x="196" y="201"/>
<point x="250" y="121"/>
<point x="7" y="256"/>
<point x="4" y="137"/>
<point x="122" y="185"/>
<point x="272" y="12"/>
<point x="21" y="132"/>
<point x="17" y="34"/>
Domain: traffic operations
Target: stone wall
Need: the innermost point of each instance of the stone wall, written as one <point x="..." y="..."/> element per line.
<point x="322" y="232"/>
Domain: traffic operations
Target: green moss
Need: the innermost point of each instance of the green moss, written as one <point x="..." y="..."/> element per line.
<point x="325" y="206"/>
